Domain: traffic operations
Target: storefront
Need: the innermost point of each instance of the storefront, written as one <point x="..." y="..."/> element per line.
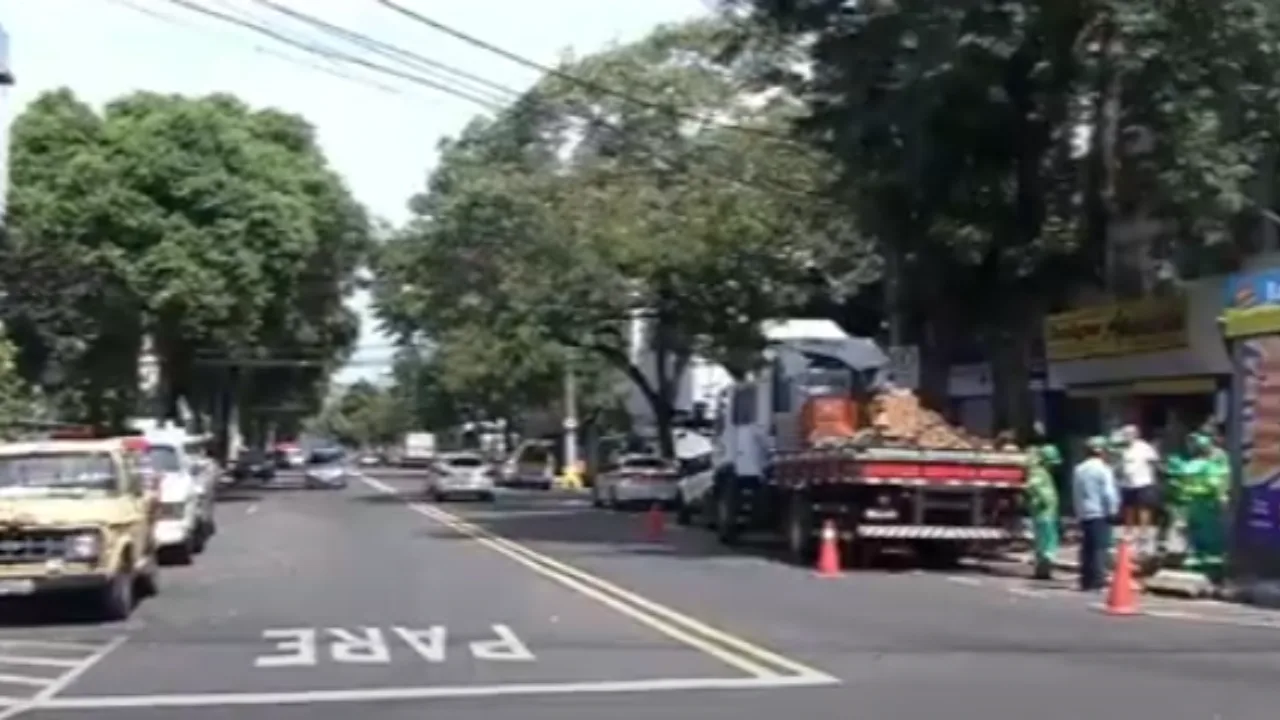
<point x="1158" y="363"/>
<point x="1251" y="324"/>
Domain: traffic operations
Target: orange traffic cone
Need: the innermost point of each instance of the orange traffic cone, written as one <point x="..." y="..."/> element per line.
<point x="1121" y="597"/>
<point x="654" y="523"/>
<point x="829" y="552"/>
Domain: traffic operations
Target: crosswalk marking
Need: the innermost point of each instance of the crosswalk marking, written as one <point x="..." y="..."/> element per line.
<point x="6" y="679"/>
<point x="38" y="661"/>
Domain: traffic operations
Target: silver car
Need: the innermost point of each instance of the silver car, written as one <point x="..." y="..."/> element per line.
<point x="461" y="475"/>
<point x="637" y="480"/>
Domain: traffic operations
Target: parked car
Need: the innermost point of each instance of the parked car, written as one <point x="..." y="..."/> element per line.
<point x="695" y="488"/>
<point x="637" y="479"/>
<point x="187" y="491"/>
<point x="327" y="469"/>
<point x="461" y="474"/>
<point x="254" y="465"/>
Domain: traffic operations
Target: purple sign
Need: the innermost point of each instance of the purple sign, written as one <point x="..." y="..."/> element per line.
<point x="1260" y="436"/>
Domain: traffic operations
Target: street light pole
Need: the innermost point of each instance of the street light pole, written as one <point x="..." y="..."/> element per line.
<point x="570" y="417"/>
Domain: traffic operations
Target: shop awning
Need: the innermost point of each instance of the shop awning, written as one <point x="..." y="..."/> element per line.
<point x="1168" y="386"/>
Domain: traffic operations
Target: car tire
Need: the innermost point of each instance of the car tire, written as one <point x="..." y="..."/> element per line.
<point x="179" y="554"/>
<point x="488" y="497"/>
<point x="684" y="516"/>
<point x="116" y="600"/>
<point x="148" y="583"/>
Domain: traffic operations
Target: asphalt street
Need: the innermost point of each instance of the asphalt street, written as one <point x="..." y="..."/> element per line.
<point x="371" y="602"/>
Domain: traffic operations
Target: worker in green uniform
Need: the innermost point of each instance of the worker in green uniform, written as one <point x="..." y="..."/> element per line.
<point x="1042" y="504"/>
<point x="1204" y="486"/>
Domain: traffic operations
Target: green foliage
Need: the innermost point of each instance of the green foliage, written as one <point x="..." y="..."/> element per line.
<point x="15" y="396"/>
<point x="364" y="415"/>
<point x="555" y="224"/>
<point x="217" y="230"/>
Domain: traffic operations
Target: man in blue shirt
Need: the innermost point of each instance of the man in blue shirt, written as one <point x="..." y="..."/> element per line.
<point x="1097" y="501"/>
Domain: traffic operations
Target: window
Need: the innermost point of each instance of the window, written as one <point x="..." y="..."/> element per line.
<point x="464" y="461"/>
<point x="781" y="389"/>
<point x="164" y="458"/>
<point x="59" y="471"/>
<point x="744" y="405"/>
<point x="645" y="463"/>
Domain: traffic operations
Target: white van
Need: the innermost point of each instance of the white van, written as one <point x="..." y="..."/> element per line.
<point x="187" y="493"/>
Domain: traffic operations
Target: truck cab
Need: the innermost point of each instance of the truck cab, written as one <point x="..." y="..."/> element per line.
<point x="76" y="518"/>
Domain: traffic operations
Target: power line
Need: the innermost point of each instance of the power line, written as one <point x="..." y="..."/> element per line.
<point x="170" y="20"/>
<point x="578" y="80"/>
<point x="500" y="93"/>
<point x="332" y="54"/>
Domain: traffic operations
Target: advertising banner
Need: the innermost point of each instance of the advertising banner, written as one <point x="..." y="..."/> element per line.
<point x="1132" y="328"/>
<point x="1259" y="360"/>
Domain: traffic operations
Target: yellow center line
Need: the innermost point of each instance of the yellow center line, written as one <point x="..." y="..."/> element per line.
<point x="730" y="649"/>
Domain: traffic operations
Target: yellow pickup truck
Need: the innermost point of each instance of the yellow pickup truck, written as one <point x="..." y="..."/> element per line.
<point x="76" y="518"/>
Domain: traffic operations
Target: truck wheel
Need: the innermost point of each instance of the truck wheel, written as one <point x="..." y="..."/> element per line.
<point x="684" y="515"/>
<point x="800" y="541"/>
<point x="148" y="583"/>
<point x="116" y="600"/>
<point x="182" y="554"/>
<point x="727" y="527"/>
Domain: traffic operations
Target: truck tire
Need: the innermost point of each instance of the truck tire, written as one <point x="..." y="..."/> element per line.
<point x="728" y="528"/>
<point x="801" y="545"/>
<point x="116" y="600"/>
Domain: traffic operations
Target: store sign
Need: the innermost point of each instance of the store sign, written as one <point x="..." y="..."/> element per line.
<point x="1131" y="328"/>
<point x="1252" y="304"/>
<point x="1260" y="437"/>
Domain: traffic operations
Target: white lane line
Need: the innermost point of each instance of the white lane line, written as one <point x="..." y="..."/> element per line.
<point x="38" y="661"/>
<point x="62" y="682"/>
<point x="366" y="695"/>
<point x="961" y="580"/>
<point x="732" y="650"/>
<point x="13" y="643"/>
<point x="1026" y="592"/>
<point x="28" y="680"/>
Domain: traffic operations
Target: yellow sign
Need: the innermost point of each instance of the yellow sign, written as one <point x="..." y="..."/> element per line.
<point x="1244" y="322"/>
<point x="1126" y="329"/>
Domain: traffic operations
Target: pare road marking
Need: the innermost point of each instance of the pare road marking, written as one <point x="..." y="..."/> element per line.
<point x="308" y="647"/>
<point x="732" y="650"/>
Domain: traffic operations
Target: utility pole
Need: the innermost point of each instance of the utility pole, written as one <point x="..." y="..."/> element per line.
<point x="570" y="416"/>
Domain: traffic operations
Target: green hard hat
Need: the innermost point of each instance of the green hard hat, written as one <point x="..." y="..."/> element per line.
<point x="1097" y="442"/>
<point x="1200" y="441"/>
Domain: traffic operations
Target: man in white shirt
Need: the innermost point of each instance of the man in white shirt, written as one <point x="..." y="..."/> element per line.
<point x="1138" y="489"/>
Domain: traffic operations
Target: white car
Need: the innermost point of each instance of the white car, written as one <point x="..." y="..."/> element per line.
<point x="637" y="479"/>
<point x="461" y="474"/>
<point x="186" y="489"/>
<point x="696" y="490"/>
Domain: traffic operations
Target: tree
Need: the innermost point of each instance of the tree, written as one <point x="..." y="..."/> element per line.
<point x="364" y="415"/>
<point x="954" y="124"/>
<point x="15" y="398"/>
<point x="576" y="212"/>
<point x="214" y="230"/>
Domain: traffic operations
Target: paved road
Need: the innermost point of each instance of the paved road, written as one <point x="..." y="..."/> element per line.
<point x="365" y="602"/>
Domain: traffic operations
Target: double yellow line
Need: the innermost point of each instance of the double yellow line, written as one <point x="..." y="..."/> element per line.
<point x="734" y="651"/>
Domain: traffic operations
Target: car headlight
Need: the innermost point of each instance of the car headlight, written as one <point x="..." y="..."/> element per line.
<point x="84" y="547"/>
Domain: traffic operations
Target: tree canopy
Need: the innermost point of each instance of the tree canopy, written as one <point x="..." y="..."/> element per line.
<point x="577" y="213"/>
<point x="213" y="231"/>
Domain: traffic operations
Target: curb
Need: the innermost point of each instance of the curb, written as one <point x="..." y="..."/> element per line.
<point x="1265" y="594"/>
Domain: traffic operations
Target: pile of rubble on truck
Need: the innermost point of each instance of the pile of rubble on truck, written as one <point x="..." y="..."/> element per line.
<point x="898" y="419"/>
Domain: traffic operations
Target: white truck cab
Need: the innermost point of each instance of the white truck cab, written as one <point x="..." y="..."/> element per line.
<point x="187" y="492"/>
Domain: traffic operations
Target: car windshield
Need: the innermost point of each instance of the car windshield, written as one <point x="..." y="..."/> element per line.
<point x="163" y="458"/>
<point x="645" y="463"/>
<point x="464" y="462"/>
<point x="58" y="471"/>
<point x="325" y="456"/>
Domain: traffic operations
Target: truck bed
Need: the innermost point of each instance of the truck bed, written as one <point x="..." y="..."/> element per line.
<point x="893" y="465"/>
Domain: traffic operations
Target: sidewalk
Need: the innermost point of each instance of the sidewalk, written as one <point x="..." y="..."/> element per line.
<point x="1166" y="582"/>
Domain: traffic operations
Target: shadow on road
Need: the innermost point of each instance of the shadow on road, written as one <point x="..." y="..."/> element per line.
<point x="44" y="611"/>
<point x="564" y="522"/>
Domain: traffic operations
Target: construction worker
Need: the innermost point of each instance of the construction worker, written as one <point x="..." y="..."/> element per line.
<point x="1042" y="505"/>
<point x="1204" y="486"/>
<point x="1096" y="501"/>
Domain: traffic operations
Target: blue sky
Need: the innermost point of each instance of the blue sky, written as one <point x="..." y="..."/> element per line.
<point x="382" y="142"/>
